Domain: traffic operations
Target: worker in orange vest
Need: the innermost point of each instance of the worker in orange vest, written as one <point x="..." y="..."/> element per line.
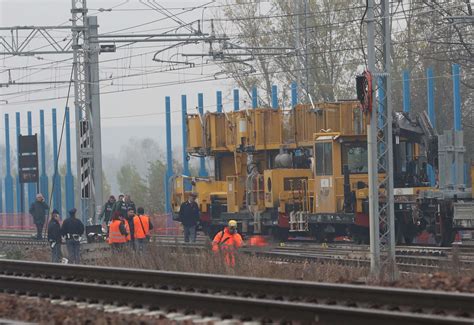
<point x="119" y="233"/>
<point x="228" y="241"/>
<point x="142" y="226"/>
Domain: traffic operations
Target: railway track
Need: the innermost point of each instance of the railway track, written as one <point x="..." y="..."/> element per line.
<point x="414" y="262"/>
<point x="409" y="259"/>
<point x="245" y="299"/>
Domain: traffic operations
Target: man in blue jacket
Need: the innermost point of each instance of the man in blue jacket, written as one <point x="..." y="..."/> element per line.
<point x="73" y="229"/>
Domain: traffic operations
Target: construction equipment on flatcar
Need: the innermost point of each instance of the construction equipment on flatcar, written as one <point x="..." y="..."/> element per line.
<point x="304" y="171"/>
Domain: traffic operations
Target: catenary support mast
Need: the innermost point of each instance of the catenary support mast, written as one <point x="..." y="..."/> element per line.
<point x="380" y="142"/>
<point x="87" y="110"/>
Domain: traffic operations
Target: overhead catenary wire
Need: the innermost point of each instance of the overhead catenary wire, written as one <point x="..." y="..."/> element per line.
<point x="140" y="54"/>
<point x="158" y="70"/>
<point x="120" y="77"/>
<point x="171" y="83"/>
<point x="324" y="25"/>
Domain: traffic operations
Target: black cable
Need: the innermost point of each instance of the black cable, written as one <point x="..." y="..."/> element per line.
<point x="56" y="163"/>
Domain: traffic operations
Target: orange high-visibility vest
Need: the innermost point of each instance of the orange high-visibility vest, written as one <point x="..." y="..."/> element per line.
<point x="115" y="236"/>
<point x="127" y="227"/>
<point x="139" y="230"/>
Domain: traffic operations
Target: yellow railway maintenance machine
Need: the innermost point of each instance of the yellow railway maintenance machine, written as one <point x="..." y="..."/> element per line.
<point x="302" y="171"/>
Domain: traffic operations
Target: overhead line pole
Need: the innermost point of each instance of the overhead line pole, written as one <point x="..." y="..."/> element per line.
<point x="85" y="45"/>
<point x="380" y="142"/>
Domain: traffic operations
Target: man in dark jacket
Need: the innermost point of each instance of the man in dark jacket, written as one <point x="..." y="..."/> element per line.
<point x="118" y="204"/>
<point x="124" y="205"/>
<point x="128" y="201"/>
<point x="106" y="214"/>
<point x="54" y="236"/>
<point x="38" y="210"/>
<point x="72" y="229"/>
<point x="189" y="217"/>
<point x="129" y="218"/>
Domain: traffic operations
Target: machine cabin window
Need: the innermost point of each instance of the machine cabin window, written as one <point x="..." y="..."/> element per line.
<point x="323" y="159"/>
<point x="354" y="155"/>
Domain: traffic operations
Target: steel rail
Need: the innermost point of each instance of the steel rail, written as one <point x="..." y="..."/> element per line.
<point x="251" y="288"/>
<point x="223" y="306"/>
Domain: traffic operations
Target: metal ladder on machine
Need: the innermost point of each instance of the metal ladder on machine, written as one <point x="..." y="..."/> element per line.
<point x="253" y="197"/>
<point x="299" y="219"/>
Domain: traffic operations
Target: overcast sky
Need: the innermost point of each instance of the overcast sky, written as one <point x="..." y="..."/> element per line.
<point x="124" y="113"/>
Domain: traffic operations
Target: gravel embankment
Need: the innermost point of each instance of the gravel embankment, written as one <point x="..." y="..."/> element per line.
<point x="438" y="281"/>
<point x="43" y="311"/>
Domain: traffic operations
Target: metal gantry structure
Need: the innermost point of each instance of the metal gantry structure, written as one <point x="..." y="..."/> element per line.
<point x="87" y="109"/>
<point x="85" y="77"/>
<point x="85" y="45"/>
<point x="380" y="142"/>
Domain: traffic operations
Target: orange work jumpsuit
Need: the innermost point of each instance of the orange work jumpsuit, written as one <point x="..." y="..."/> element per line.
<point x="227" y="243"/>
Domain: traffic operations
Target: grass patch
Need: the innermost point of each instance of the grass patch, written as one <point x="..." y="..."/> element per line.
<point x="205" y="261"/>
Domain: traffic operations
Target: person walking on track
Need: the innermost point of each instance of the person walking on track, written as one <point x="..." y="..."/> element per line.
<point x="189" y="216"/>
<point x="72" y="229"/>
<point x="54" y="236"/>
<point x="38" y="210"/>
<point x="106" y="213"/>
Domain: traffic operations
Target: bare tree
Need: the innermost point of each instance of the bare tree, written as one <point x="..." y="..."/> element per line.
<point x="324" y="54"/>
